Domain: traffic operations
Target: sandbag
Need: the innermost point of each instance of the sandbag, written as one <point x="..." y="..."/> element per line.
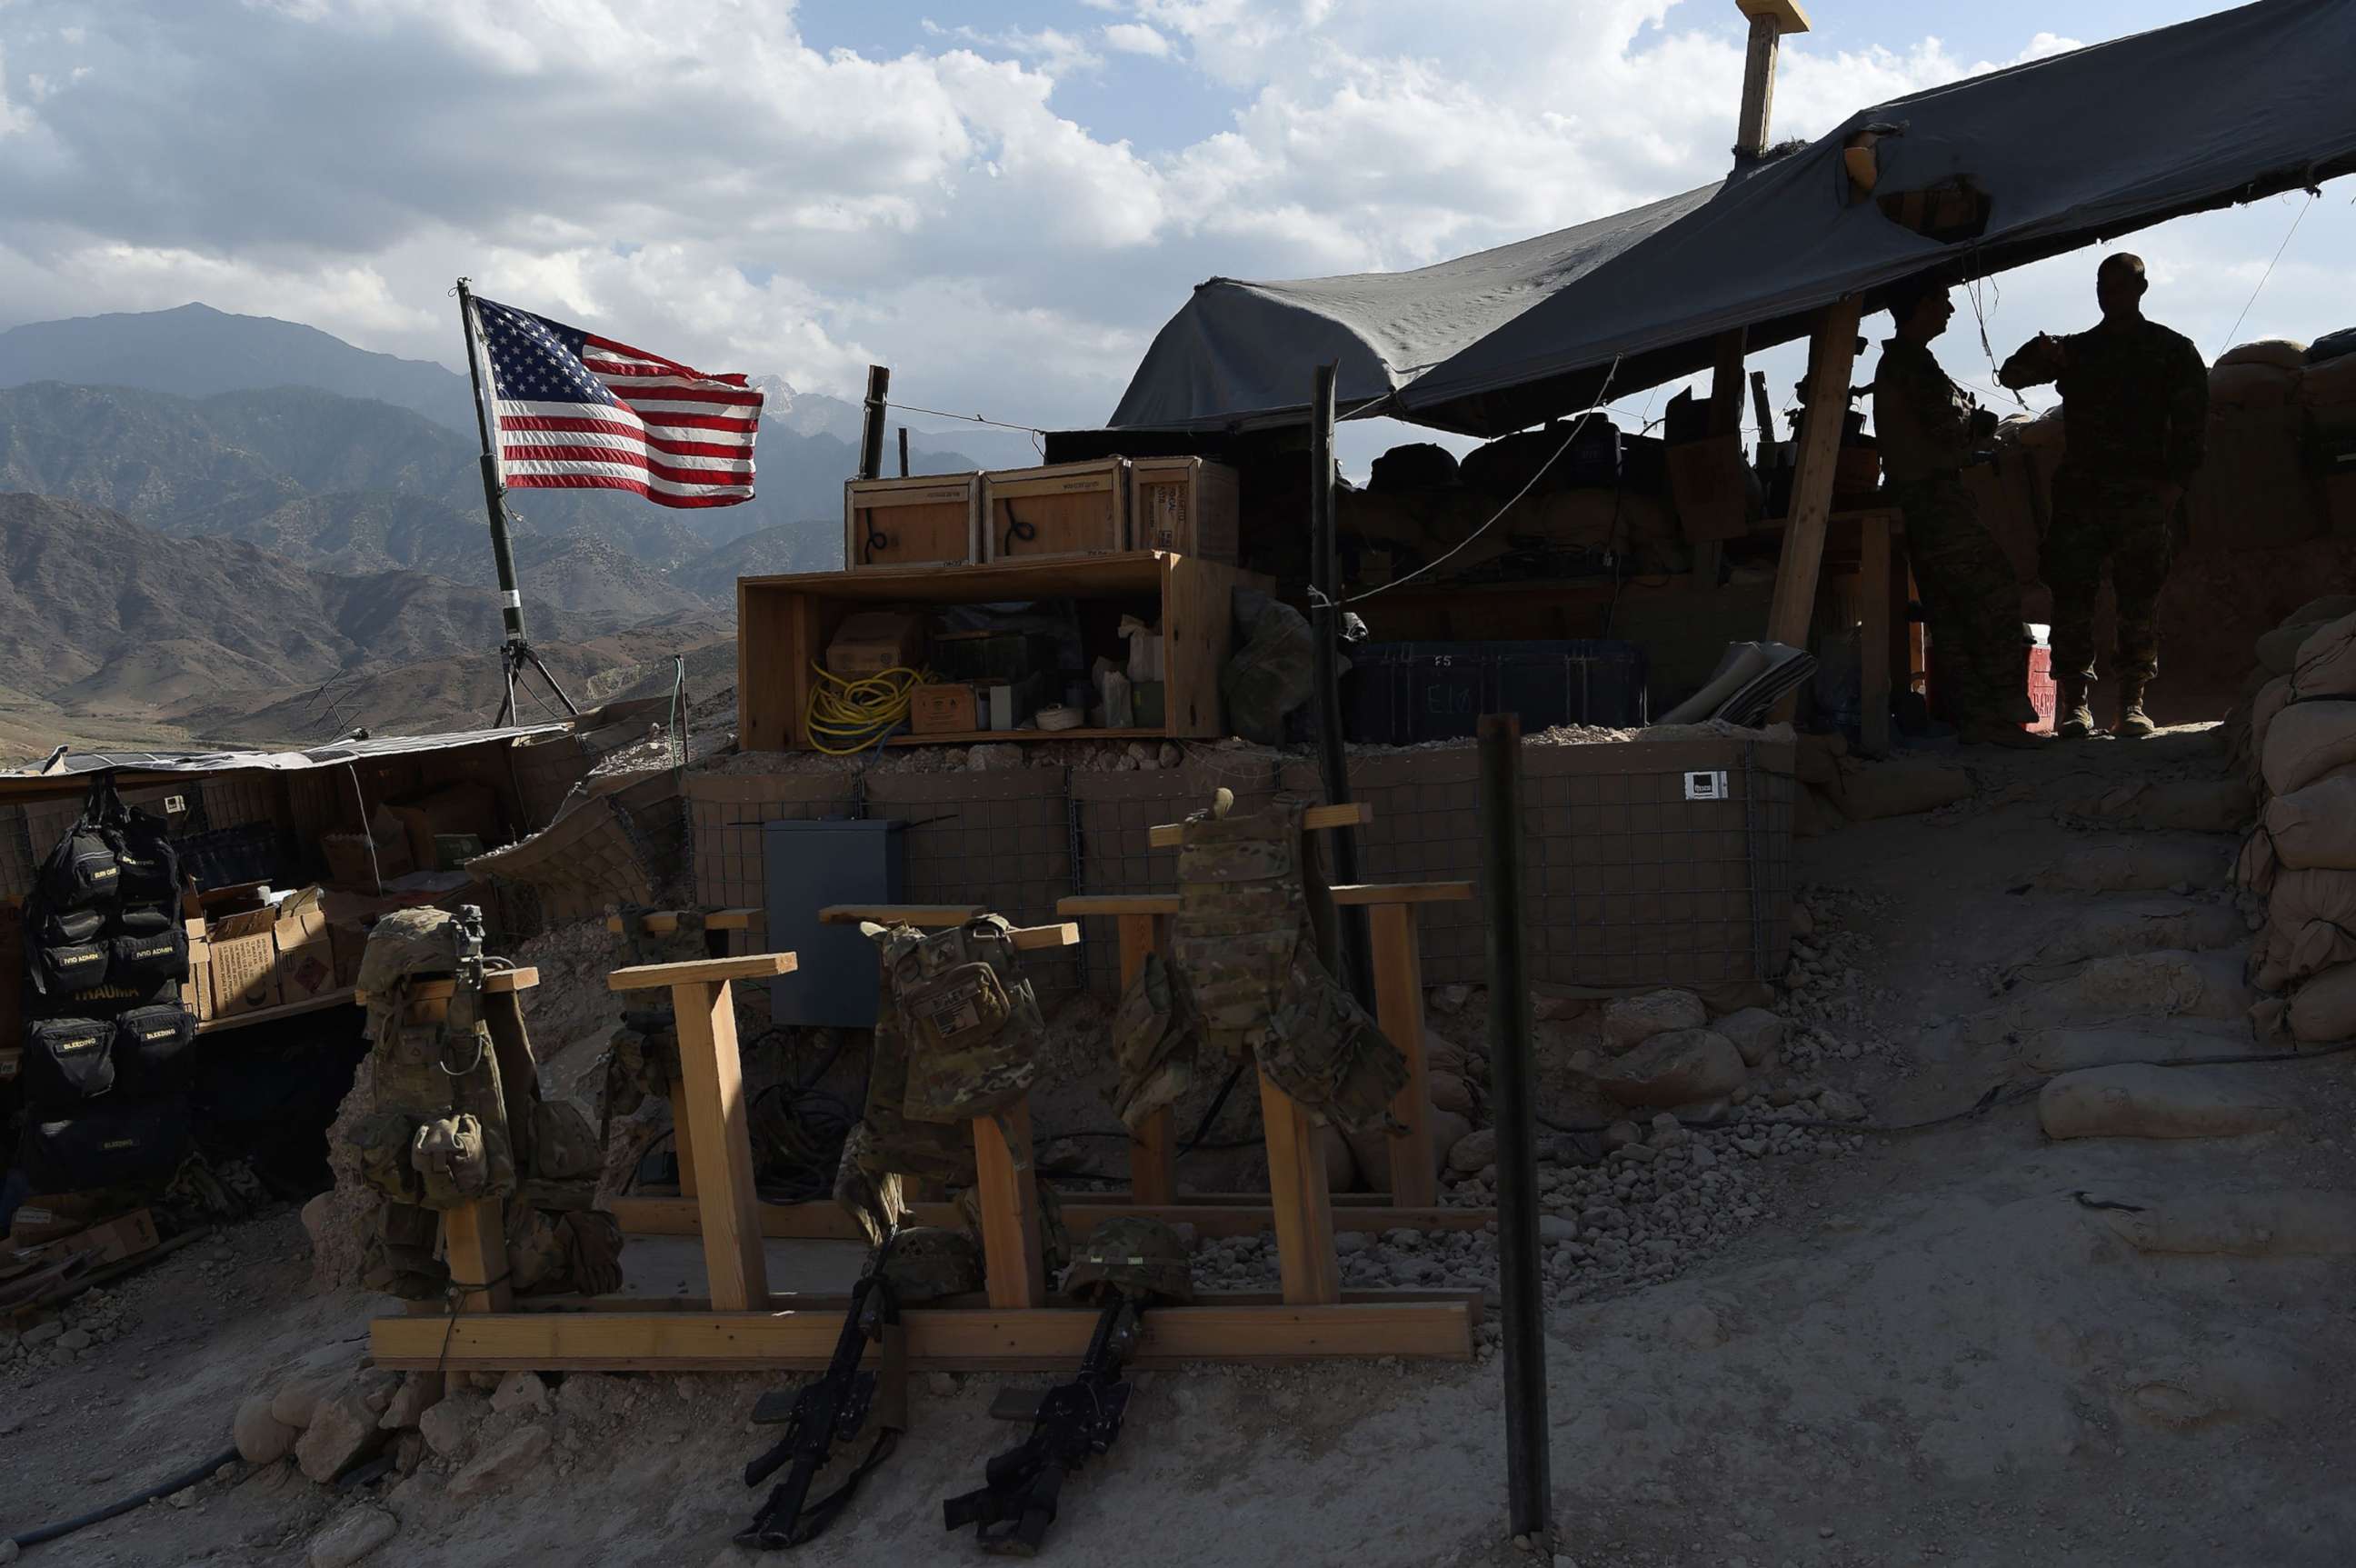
<point x="2308" y="740"/>
<point x="1896" y="790"/>
<point x="2330" y="606"/>
<point x="2324" y="1011"/>
<point x="2250" y="386"/>
<point x="2312" y="829"/>
<point x="2332" y="345"/>
<point x="2282" y="353"/>
<point x="2272" y="699"/>
<point x="2278" y="651"/>
<point x="2328" y="383"/>
<point x="2133" y="868"/>
<point x="2153" y="1102"/>
<point x="2326" y="663"/>
<point x="2150" y="984"/>
<point x="2310" y="924"/>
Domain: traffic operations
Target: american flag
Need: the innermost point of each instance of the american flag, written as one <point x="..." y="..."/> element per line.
<point x="575" y="411"/>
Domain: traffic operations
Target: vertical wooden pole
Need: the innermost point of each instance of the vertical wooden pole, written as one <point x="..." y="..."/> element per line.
<point x="1014" y="1264"/>
<point x="1873" y="641"/>
<point x="871" y="424"/>
<point x="1152" y="1148"/>
<point x="1758" y="88"/>
<point x="1303" y="1209"/>
<point x="682" y="1139"/>
<point x="722" y="1146"/>
<point x="1832" y="354"/>
<point x="1347" y="962"/>
<point x="1725" y="419"/>
<point x="1398" y="1008"/>
<point x="904" y="451"/>
<point x="475" y="1246"/>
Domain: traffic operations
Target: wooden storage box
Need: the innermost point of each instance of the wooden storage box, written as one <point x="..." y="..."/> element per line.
<point x="1183" y="504"/>
<point x="1061" y="510"/>
<point x="783" y="624"/>
<point x="927" y="520"/>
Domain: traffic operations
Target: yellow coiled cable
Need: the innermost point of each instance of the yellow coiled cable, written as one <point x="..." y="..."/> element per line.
<point x="847" y="716"/>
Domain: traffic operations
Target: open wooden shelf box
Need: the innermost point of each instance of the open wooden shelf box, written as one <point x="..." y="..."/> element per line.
<point x="783" y="624"/>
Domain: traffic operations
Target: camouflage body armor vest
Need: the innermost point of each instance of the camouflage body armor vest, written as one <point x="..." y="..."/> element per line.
<point x="440" y="1137"/>
<point x="1245" y="978"/>
<point x="957" y="1031"/>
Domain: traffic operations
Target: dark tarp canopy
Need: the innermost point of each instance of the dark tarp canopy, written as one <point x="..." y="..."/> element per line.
<point x="2072" y="149"/>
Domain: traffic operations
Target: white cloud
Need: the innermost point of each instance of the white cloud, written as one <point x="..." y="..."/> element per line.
<point x="697" y="177"/>
<point x="1136" y="38"/>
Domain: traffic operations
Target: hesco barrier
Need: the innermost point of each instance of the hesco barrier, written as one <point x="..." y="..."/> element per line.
<point x="1634" y="884"/>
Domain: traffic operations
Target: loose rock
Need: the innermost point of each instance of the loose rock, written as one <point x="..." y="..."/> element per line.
<point x="449" y="1424"/>
<point x="352" y="1535"/>
<point x="1756" y="1033"/>
<point x="1632" y="1020"/>
<point x="260" y="1437"/>
<point x="343" y="1431"/>
<point x="1473" y="1150"/>
<point x="1674" y="1068"/>
<point x="521" y="1450"/>
<point x="520" y="1392"/>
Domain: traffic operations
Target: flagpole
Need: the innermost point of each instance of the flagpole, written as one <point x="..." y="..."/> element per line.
<point x="516" y="651"/>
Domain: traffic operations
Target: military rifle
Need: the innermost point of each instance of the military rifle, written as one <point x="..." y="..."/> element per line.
<point x="1071" y="1421"/>
<point x="816" y="1418"/>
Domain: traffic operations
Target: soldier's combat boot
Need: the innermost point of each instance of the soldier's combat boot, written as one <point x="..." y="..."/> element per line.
<point x="2134" y="723"/>
<point x="2073" y="719"/>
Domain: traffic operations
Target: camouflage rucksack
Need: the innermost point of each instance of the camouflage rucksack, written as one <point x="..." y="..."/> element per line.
<point x="1244" y="977"/>
<point x="440" y="1137"/>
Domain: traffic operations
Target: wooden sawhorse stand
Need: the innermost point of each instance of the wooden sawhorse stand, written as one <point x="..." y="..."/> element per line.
<point x="717" y="924"/>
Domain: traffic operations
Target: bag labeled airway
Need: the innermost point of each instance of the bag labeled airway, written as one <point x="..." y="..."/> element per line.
<point x="150" y="1046"/>
<point x="67" y="1060"/>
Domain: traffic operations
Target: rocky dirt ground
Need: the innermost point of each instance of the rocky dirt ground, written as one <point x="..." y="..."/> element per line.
<point x="1781" y="1338"/>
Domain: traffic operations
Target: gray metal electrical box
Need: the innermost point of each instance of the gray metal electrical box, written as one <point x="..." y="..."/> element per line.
<point x="805" y="867"/>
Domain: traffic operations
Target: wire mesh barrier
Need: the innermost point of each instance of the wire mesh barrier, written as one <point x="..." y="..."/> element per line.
<point x="1662" y="863"/>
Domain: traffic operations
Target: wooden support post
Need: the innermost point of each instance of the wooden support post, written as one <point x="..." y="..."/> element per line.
<point x="1873" y="692"/>
<point x="1014" y="1263"/>
<point x="904" y="451"/>
<point x="738" y="1273"/>
<point x="1303" y="1209"/>
<point x="1725" y="419"/>
<point x="871" y="423"/>
<point x="1832" y="354"/>
<point x="682" y="1139"/>
<point x="1398" y="1008"/>
<point x="1770" y="20"/>
<point x="1153" y="1147"/>
<point x="475" y="1245"/>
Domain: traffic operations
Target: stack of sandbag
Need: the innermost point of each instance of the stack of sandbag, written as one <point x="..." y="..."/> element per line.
<point x="2255" y="489"/>
<point x="2327" y="392"/>
<point x="2302" y="858"/>
<point x="2268" y="688"/>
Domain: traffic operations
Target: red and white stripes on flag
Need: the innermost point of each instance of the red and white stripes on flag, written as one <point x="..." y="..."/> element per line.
<point x="575" y="411"/>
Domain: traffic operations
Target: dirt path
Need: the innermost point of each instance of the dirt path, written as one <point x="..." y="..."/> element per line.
<point x="1927" y="1349"/>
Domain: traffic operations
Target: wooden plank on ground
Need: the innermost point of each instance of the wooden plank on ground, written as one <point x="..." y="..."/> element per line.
<point x="701" y="972"/>
<point x="983" y="1340"/>
<point x="1213" y="1216"/>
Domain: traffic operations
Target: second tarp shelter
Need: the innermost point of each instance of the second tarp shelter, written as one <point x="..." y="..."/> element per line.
<point x="2067" y="150"/>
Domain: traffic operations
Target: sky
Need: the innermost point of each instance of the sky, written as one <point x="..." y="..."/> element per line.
<point x="1002" y="201"/>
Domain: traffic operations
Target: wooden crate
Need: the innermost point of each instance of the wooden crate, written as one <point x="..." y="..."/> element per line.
<point x="927" y="519"/>
<point x="1056" y="512"/>
<point x="1184" y="504"/>
<point x="783" y="625"/>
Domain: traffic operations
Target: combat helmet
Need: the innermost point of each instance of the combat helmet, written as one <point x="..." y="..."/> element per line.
<point x="1146" y="1258"/>
<point x="925" y="1263"/>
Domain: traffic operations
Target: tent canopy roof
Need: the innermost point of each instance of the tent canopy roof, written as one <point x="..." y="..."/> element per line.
<point x="2070" y="149"/>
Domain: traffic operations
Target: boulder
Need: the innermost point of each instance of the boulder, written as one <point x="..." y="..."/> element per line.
<point x="418" y="1393"/>
<point x="1450" y="1093"/>
<point x="2152" y="1102"/>
<point x="1676" y="1068"/>
<point x="502" y="1463"/>
<point x="1756" y="1033"/>
<point x="351" y="1536"/>
<point x="520" y="1393"/>
<point x="450" y="1423"/>
<point x="292" y="1403"/>
<point x="342" y="1433"/>
<point x="1473" y="1150"/>
<point x="1632" y="1020"/>
<point x="260" y="1437"/>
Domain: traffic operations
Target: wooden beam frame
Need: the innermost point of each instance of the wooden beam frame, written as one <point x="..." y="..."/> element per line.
<point x="1213" y="1215"/>
<point x="1357" y="814"/>
<point x="1031" y="1339"/>
<point x="662" y="922"/>
<point x="676" y="977"/>
<point x="1831" y="355"/>
<point x="498" y="980"/>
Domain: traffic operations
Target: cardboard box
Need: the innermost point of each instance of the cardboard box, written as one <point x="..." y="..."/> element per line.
<point x="126" y="1237"/>
<point x="244" y="974"/>
<point x="48" y="1217"/>
<point x="875" y="640"/>
<point x="452" y="808"/>
<point x="306" y="953"/>
<point x="941" y="710"/>
<point x="196" y="991"/>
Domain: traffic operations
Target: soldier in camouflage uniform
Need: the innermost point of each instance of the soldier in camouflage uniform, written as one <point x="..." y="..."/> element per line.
<point x="1926" y="426"/>
<point x="2135" y="410"/>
